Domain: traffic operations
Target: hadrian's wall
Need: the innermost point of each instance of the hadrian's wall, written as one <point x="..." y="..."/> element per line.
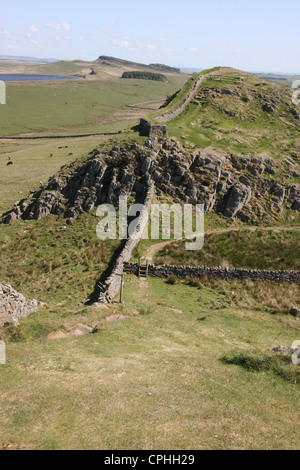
<point x="171" y="114"/>
<point x="153" y="130"/>
<point x="112" y="284"/>
<point x="183" y="272"/>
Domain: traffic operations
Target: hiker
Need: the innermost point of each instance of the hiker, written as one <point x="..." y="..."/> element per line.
<point x="9" y="157"/>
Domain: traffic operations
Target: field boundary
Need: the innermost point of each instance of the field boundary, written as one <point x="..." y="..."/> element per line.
<point x="59" y="136"/>
<point x="183" y="272"/>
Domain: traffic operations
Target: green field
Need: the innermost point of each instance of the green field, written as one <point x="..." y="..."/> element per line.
<point x="165" y="377"/>
<point x="78" y="106"/>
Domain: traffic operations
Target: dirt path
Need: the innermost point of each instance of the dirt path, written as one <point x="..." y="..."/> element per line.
<point x="154" y="249"/>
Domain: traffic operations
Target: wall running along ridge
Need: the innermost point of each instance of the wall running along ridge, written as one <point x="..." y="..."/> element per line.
<point x="183" y="272"/>
<point x="174" y="113"/>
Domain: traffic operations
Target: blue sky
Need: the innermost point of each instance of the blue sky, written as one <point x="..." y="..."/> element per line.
<point x="248" y="34"/>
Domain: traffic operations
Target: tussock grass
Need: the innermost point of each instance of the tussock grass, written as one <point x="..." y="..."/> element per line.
<point x="279" y="364"/>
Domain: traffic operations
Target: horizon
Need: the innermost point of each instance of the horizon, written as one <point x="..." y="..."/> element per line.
<point x="237" y="34"/>
<point x="182" y="69"/>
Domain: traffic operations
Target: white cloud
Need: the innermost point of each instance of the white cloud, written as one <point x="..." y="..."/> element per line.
<point x="194" y="49"/>
<point x="162" y="39"/>
<point x="33" y="29"/>
<point x="151" y="47"/>
<point x="59" y="26"/>
<point x="123" y="42"/>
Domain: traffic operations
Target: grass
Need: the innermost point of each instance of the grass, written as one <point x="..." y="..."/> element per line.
<point x="155" y="380"/>
<point x="32" y="164"/>
<point x="261" y="249"/>
<point x="80" y="106"/>
<point x="184" y="90"/>
<point x="228" y="123"/>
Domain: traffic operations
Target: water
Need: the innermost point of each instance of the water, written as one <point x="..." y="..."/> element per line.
<point x="14" y="77"/>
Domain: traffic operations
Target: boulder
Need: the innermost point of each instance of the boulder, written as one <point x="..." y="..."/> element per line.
<point x="237" y="196"/>
<point x="295" y="312"/>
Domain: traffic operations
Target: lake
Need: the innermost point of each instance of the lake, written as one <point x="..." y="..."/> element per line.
<point x="18" y="77"/>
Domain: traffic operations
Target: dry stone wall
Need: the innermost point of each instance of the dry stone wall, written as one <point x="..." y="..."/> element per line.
<point x="112" y="284"/>
<point x="173" y="113"/>
<point x="183" y="272"/>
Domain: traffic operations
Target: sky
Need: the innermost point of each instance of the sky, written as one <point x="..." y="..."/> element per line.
<point x="252" y="35"/>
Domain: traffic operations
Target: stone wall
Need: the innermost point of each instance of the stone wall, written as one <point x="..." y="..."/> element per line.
<point x="14" y="305"/>
<point x="183" y="272"/>
<point x="171" y="114"/>
<point x="112" y="284"/>
<point x="153" y="130"/>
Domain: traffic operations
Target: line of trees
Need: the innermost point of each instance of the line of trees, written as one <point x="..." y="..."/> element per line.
<point x="159" y="77"/>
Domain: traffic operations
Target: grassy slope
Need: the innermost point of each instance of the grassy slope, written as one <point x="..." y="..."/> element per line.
<point x="155" y="380"/>
<point x="242" y="249"/>
<point x="206" y="121"/>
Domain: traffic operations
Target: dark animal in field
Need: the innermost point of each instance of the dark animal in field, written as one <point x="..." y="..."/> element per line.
<point x="9" y="163"/>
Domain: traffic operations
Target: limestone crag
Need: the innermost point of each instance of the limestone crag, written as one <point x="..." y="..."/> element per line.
<point x="241" y="186"/>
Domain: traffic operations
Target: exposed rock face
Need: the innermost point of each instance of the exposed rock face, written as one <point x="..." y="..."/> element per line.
<point x="14" y="305"/>
<point x="239" y="185"/>
<point x="238" y="196"/>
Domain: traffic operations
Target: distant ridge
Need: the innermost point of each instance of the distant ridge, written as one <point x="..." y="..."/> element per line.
<point x="27" y="59"/>
<point x="127" y="63"/>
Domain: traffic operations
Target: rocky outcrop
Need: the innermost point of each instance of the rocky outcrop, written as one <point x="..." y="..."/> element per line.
<point x="14" y="305"/>
<point x="241" y="186"/>
<point x="237" y="196"/>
